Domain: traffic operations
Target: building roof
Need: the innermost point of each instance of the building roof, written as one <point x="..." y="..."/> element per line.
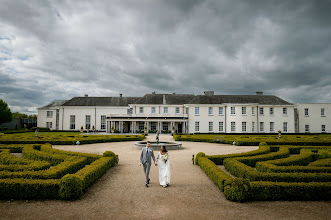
<point x="244" y="99"/>
<point x="54" y="104"/>
<point x="170" y="99"/>
<point x="101" y="101"/>
<point x="165" y="99"/>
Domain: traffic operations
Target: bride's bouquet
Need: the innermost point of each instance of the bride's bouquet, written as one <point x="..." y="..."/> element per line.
<point x="165" y="157"/>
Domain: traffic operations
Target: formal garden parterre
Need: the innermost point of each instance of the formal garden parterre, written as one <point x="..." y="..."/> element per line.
<point x="64" y="138"/>
<point x="273" y="172"/>
<point x="256" y="139"/>
<point x="47" y="173"/>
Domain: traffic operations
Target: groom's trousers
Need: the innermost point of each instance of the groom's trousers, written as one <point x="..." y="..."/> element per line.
<point x="147" y="167"/>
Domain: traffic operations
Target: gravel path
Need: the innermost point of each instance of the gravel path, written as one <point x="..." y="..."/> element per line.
<point x="121" y="194"/>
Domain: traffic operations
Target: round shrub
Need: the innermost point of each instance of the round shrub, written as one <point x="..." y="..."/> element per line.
<point x="263" y="144"/>
<point x="71" y="187"/>
<point x="238" y="191"/>
<point x="108" y="154"/>
<point x="200" y="154"/>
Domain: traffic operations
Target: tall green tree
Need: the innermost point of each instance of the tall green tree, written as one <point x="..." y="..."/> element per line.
<point x="5" y="113"/>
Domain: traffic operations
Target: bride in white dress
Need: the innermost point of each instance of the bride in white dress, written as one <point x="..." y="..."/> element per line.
<point x="164" y="167"/>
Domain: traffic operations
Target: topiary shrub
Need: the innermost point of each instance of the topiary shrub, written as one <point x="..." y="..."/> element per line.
<point x="108" y="154"/>
<point x="200" y="154"/>
<point x="238" y="191"/>
<point x="71" y="187"/>
<point x="263" y="144"/>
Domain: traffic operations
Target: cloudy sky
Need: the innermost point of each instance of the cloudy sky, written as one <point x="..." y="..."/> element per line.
<point x="61" y="49"/>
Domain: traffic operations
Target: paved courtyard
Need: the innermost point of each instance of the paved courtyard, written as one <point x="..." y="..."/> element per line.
<point x="121" y="194"/>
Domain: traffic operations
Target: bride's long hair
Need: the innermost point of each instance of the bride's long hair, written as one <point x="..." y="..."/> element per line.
<point x="164" y="149"/>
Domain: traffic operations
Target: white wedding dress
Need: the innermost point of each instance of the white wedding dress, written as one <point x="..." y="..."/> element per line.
<point x="164" y="170"/>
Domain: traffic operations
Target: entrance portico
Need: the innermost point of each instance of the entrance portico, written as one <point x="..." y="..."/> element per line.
<point x="127" y="124"/>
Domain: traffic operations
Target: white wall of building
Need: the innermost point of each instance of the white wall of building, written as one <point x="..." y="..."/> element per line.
<point x="314" y="119"/>
<point x="43" y="119"/>
<point x="80" y="113"/>
<point x="278" y="118"/>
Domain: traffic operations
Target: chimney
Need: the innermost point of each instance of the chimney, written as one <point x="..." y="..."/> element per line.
<point x="164" y="100"/>
<point x="121" y="95"/>
<point x="259" y="93"/>
<point x="209" y="93"/>
<point x="86" y="95"/>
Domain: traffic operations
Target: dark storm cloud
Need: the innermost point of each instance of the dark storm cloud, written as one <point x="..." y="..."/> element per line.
<point x="60" y="49"/>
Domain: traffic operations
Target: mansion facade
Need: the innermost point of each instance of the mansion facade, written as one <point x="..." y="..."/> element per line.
<point x="186" y="113"/>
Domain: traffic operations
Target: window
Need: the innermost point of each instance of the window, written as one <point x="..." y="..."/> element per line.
<point x="141" y="125"/>
<point x="243" y="126"/>
<point x="210" y="110"/>
<point x="284" y="126"/>
<point x="165" y="126"/>
<point x="306" y="128"/>
<point x="177" y="110"/>
<point x="211" y="126"/>
<point x="220" y="126"/>
<point x="153" y="110"/>
<point x="271" y="111"/>
<point x="72" y="121"/>
<point x="49" y="114"/>
<point x="130" y="111"/>
<point x="233" y="110"/>
<point x="284" y="111"/>
<point x="253" y="126"/>
<point x="187" y="109"/>
<point x="323" y="128"/>
<point x="49" y="124"/>
<point x="141" y="110"/>
<point x="261" y="111"/>
<point x="306" y="112"/>
<point x="153" y="126"/>
<point x="272" y="126"/>
<point x="197" y="126"/>
<point x="87" y="121"/>
<point x="322" y="112"/>
<point x="233" y="126"/>
<point x="103" y="122"/>
<point x="253" y="110"/>
<point x="165" y="110"/>
<point x="243" y="110"/>
<point x="261" y="126"/>
<point x="220" y="110"/>
<point x="197" y="111"/>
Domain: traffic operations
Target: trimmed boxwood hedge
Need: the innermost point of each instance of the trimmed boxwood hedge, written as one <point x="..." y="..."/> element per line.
<point x="218" y="176"/>
<point x="218" y="159"/>
<point x="71" y="174"/>
<point x="254" y="140"/>
<point x="293" y="178"/>
<point x="56" y="139"/>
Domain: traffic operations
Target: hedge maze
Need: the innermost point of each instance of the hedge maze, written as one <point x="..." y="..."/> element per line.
<point x="275" y="172"/>
<point x="47" y="173"/>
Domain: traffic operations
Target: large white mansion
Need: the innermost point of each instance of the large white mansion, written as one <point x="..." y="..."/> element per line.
<point x="186" y="113"/>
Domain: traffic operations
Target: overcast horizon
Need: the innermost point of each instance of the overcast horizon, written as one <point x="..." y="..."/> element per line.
<point x="56" y="50"/>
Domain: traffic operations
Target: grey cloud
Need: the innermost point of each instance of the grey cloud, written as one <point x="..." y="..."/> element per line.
<point x="136" y="47"/>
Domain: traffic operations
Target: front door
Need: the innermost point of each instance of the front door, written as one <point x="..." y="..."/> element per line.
<point x="180" y="128"/>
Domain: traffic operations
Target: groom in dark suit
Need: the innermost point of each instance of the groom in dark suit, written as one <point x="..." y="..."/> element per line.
<point x="145" y="160"/>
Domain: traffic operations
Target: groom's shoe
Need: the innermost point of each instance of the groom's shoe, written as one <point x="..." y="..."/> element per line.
<point x="146" y="185"/>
